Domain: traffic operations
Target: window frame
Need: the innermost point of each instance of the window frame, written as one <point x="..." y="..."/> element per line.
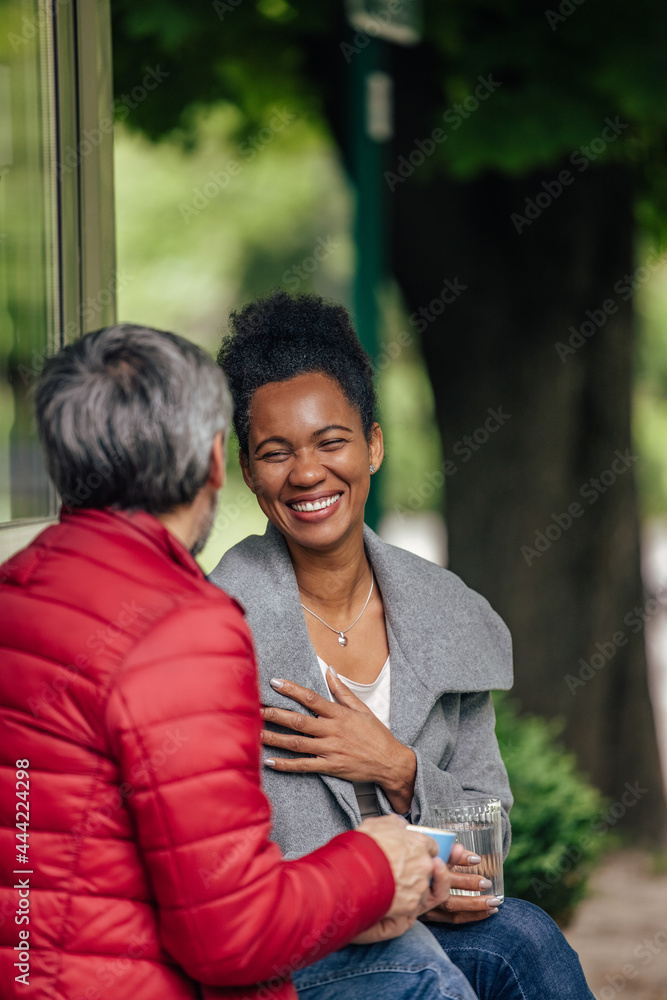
<point x="85" y="251"/>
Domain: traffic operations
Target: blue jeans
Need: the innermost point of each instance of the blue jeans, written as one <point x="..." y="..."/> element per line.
<point x="517" y="954"/>
<point x="410" y="967"/>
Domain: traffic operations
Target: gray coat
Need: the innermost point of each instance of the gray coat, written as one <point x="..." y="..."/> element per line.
<point x="448" y="648"/>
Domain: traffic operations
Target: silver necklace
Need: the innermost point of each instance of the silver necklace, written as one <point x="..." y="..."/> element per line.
<point x="341" y="633"/>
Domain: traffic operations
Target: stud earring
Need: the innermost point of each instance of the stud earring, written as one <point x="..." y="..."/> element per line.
<point x="372" y="469"/>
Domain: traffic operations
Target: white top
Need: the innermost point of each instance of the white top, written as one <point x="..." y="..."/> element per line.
<point x="377" y="697"/>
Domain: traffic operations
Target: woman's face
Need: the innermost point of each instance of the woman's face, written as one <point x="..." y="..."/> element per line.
<point x="308" y="459"/>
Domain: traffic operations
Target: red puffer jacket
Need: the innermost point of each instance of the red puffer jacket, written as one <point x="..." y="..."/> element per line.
<point x="128" y="695"/>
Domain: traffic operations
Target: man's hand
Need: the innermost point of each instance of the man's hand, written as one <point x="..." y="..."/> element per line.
<point x="390" y="927"/>
<point x="383" y="930"/>
<point x="410" y="856"/>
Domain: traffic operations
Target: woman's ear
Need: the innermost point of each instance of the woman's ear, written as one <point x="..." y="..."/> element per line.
<point x="376" y="446"/>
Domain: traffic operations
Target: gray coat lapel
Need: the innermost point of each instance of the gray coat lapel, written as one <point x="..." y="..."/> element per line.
<point x="259" y="574"/>
<point x="443" y="637"/>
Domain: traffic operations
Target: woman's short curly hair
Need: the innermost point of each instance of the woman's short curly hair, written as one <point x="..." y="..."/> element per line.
<point x="278" y="337"/>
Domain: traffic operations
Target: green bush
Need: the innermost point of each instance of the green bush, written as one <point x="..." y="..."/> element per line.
<point x="557" y="833"/>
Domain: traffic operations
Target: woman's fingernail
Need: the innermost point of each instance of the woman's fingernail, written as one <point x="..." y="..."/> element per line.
<point x="485" y="883"/>
<point x="493" y="901"/>
<point x="332" y="671"/>
<point x="473" y="859"/>
<point x="275" y="683"/>
<point x="491" y="912"/>
<point x="270" y="762"/>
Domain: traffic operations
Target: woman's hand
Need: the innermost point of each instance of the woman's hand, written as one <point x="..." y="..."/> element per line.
<point x="345" y="738"/>
<point x="464" y="909"/>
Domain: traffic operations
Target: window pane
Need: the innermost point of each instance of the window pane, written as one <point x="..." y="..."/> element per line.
<point x="28" y="248"/>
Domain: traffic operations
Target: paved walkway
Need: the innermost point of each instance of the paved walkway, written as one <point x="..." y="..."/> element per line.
<point x="620" y="931"/>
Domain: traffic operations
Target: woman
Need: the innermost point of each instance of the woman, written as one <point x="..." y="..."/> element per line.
<point x="375" y="665"/>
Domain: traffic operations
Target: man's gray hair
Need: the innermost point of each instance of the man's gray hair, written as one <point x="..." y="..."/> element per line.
<point x="127" y="416"/>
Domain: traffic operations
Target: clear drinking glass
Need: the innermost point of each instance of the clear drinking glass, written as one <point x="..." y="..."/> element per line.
<point x="476" y="821"/>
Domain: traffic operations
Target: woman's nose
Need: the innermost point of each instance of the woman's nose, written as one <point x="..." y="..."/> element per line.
<point x="306" y="469"/>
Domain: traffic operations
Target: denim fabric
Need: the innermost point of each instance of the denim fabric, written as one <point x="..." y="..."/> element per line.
<point x="411" y="967"/>
<point x="517" y="954"/>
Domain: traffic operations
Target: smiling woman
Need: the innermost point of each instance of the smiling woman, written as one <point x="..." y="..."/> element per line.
<point x="375" y="665"/>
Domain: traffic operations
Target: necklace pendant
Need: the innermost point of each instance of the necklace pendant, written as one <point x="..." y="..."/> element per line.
<point x="342" y="641"/>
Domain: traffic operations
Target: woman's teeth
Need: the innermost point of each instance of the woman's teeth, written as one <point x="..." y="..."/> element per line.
<point x="317" y="505"/>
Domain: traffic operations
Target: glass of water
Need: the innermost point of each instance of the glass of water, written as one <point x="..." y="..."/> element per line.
<point x="476" y="821"/>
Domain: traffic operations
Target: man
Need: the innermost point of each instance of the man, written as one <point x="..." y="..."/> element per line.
<point x="134" y="834"/>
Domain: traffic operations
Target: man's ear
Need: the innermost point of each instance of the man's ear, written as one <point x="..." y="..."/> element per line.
<point x="216" y="475"/>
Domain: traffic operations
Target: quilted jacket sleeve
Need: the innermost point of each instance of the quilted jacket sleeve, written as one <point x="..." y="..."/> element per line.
<point x="183" y="721"/>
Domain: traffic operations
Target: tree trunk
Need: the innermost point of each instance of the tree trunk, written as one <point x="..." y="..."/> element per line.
<point x="542" y="508"/>
<point x="541" y="511"/>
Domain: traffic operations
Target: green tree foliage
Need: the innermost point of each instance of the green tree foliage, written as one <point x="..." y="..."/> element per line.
<point x="560" y="824"/>
<point x="562" y="71"/>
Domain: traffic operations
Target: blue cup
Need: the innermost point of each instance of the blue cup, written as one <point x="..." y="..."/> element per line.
<point x="444" y="838"/>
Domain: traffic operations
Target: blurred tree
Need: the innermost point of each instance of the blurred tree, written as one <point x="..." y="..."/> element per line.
<point x="528" y="145"/>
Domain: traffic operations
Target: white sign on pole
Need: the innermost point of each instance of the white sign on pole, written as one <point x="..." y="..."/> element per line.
<point x="396" y="21"/>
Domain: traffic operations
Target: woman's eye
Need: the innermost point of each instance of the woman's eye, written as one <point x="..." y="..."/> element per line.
<point x="333" y="443"/>
<point x="274" y="456"/>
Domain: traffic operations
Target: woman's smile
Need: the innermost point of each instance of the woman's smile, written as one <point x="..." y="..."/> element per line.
<point x="306" y="507"/>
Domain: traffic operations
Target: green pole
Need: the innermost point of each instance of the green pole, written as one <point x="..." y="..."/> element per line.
<point x="370" y="131"/>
